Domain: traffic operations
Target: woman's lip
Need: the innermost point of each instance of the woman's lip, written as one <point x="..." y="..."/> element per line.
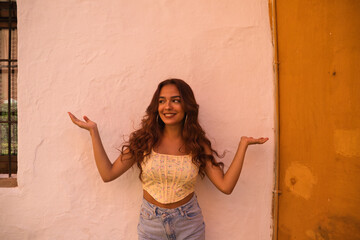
<point x="169" y="114"/>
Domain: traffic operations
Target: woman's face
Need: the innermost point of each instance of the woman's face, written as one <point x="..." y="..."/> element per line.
<point x="170" y="105"/>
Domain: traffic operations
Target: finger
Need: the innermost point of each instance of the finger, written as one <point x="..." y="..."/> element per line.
<point x="86" y="118"/>
<point x="263" y="140"/>
<point x="76" y="120"/>
<point x="72" y="117"/>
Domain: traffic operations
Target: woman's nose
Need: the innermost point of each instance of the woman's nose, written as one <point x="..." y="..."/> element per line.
<point x="168" y="105"/>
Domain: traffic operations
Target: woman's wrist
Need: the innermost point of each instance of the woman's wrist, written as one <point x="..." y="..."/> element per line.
<point x="93" y="129"/>
<point x="244" y="141"/>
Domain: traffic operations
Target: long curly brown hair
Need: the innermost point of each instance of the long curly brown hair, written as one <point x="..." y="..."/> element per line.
<point x="142" y="141"/>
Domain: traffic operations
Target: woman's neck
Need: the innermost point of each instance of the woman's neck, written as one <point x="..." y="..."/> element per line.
<point x="172" y="132"/>
<point x="171" y="142"/>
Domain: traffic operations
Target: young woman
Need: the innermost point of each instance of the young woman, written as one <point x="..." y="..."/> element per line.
<point x="170" y="149"/>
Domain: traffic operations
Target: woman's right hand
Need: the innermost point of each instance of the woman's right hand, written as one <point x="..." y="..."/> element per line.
<point x="87" y="124"/>
<point x="108" y="171"/>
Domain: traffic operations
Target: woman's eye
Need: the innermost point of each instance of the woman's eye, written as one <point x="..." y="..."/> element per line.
<point x="161" y="101"/>
<point x="176" y="100"/>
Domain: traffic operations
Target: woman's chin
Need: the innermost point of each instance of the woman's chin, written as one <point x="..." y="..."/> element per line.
<point x="172" y="123"/>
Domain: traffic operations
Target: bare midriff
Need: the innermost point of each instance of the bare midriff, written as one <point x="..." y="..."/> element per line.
<point x="151" y="200"/>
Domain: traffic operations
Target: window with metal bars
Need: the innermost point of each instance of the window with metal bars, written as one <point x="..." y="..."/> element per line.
<point x="8" y="88"/>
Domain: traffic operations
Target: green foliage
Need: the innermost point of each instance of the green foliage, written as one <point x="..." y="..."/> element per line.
<point x="4" y="128"/>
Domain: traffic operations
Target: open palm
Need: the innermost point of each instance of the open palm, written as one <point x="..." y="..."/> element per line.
<point x="87" y="124"/>
<point x="251" y="140"/>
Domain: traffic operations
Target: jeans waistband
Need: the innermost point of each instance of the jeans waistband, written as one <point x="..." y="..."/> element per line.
<point x="160" y="211"/>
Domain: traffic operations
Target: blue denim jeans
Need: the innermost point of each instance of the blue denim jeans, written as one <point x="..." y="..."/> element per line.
<point x="184" y="222"/>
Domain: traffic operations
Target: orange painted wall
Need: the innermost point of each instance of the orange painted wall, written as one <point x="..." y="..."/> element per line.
<point x="319" y="87"/>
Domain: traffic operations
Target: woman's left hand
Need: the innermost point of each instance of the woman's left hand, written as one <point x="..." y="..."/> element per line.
<point x="251" y="140"/>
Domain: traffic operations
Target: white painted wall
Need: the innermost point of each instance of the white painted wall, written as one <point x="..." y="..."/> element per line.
<point x="105" y="59"/>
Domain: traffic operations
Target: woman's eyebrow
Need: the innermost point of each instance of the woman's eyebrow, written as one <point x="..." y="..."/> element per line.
<point x="171" y="97"/>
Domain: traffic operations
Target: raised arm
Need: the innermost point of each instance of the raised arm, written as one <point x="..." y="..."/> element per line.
<point x="226" y="182"/>
<point x="108" y="171"/>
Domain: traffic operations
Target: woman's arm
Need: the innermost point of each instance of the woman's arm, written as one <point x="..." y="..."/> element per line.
<point x="226" y="182"/>
<point x="107" y="170"/>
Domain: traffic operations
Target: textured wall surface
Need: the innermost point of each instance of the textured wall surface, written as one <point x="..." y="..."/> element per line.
<point x="104" y="59"/>
<point x="319" y="177"/>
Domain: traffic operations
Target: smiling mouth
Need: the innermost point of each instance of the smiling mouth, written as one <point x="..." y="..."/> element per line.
<point x="169" y="114"/>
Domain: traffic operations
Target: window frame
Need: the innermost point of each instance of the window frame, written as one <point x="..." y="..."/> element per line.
<point x="8" y="20"/>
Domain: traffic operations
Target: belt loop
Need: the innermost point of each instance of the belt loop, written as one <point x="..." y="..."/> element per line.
<point x="181" y="210"/>
<point x="155" y="211"/>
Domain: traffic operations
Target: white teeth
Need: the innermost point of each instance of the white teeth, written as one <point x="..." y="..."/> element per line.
<point x="169" y="114"/>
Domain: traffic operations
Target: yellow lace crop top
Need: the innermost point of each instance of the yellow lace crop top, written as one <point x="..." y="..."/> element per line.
<point x="168" y="178"/>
